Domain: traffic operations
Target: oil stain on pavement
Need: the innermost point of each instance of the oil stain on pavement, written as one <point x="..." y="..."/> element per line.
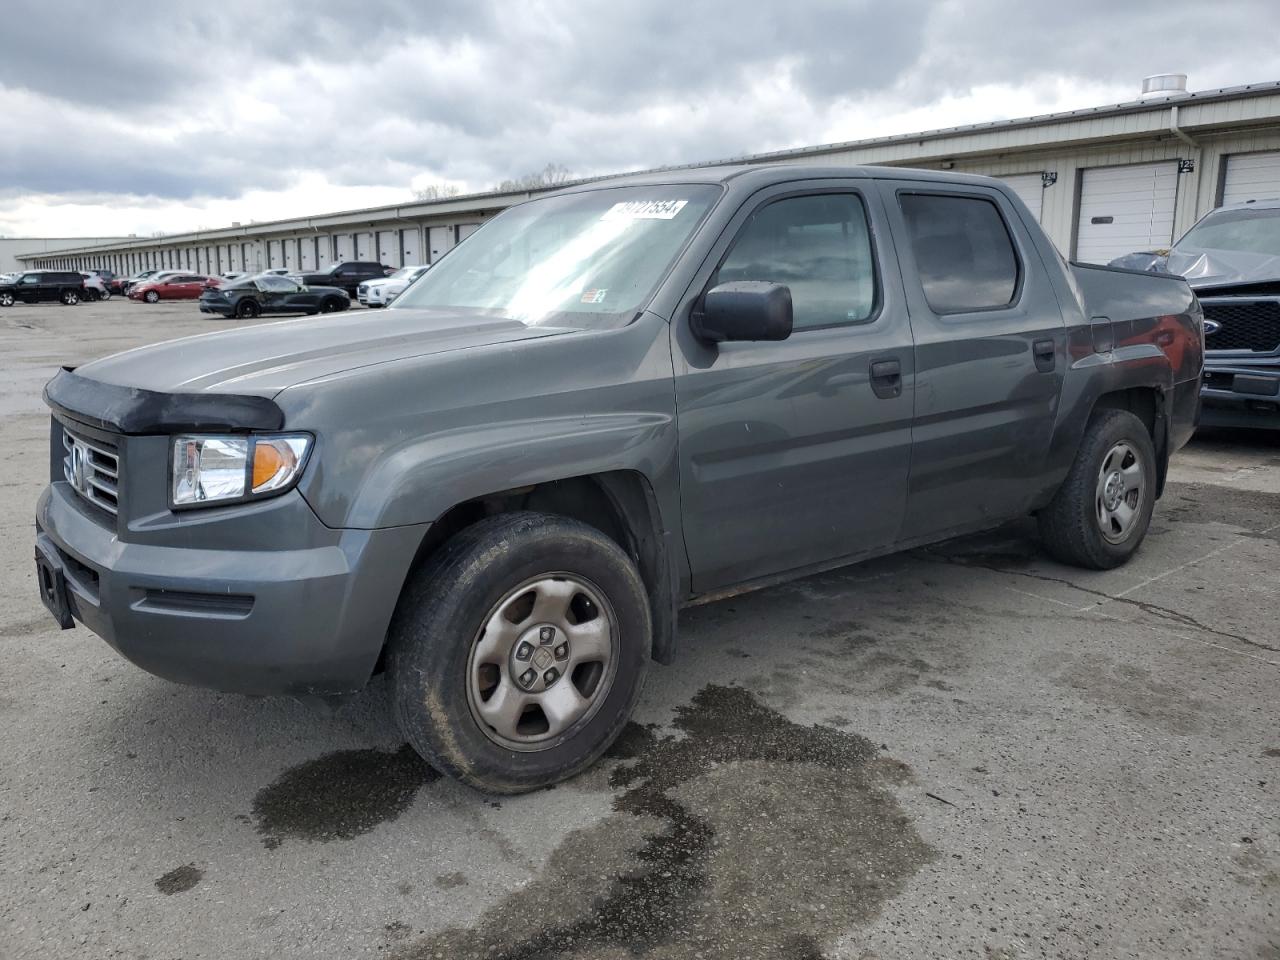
<point x="742" y="835"/>
<point x="180" y="879"/>
<point x="340" y="795"/>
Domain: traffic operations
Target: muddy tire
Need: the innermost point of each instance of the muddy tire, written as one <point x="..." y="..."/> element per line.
<point x="1101" y="513"/>
<point x="518" y="650"/>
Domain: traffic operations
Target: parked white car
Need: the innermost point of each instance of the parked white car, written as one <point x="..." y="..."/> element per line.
<point x="378" y="293"/>
<point x="95" y="283"/>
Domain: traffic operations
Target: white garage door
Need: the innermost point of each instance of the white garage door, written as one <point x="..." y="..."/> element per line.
<point x="439" y="241"/>
<point x="342" y="247"/>
<point x="409" y="243"/>
<point x="1030" y="190"/>
<point x="466" y="229"/>
<point x="364" y="247"/>
<point x="388" y="253"/>
<point x="1252" y="176"/>
<point x="1126" y="209"/>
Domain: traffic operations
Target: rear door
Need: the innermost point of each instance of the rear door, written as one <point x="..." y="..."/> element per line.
<point x="792" y="453"/>
<point x="989" y="351"/>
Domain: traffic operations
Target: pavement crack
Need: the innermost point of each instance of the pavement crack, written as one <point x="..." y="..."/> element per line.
<point x="1155" y="610"/>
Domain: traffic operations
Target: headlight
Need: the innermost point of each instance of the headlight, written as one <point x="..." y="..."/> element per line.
<point x="212" y="470"/>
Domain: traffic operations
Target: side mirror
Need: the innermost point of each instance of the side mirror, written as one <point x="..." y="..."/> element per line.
<point x="744" y="310"/>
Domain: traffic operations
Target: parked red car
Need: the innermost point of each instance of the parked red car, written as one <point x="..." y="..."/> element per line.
<point x="180" y="286"/>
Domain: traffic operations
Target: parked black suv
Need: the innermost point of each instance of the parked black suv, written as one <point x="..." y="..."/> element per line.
<point x="37" y="285"/>
<point x="346" y="276"/>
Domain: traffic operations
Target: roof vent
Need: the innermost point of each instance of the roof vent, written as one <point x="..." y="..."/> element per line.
<point x="1164" y="85"/>
<point x="235" y="223"/>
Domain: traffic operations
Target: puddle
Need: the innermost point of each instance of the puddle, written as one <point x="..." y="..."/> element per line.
<point x="340" y="795"/>
<point x="742" y="835"/>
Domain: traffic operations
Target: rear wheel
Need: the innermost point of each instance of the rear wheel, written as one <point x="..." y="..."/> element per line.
<point x="248" y="309"/>
<point x="1101" y="513"/>
<point x="518" y="651"/>
<point x="70" y="298"/>
<point x="105" y="294"/>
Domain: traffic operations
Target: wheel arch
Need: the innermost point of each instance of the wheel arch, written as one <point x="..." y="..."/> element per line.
<point x="621" y="504"/>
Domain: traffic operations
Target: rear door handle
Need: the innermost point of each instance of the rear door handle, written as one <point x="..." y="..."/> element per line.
<point x="1045" y="354"/>
<point x="886" y="378"/>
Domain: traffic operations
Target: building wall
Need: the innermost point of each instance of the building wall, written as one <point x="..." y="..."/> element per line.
<point x="12" y="247"/>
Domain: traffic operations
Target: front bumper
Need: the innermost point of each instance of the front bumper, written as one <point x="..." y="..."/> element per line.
<point x="306" y="620"/>
<point x="1240" y="395"/>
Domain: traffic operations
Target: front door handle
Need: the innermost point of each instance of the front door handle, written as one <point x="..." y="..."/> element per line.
<point x="1046" y="355"/>
<point x="886" y="378"/>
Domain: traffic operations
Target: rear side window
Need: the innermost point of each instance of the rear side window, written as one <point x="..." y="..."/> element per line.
<point x="963" y="251"/>
<point x="820" y="247"/>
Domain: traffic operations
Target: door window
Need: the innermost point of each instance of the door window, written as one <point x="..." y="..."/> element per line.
<point x="963" y="252"/>
<point x="820" y="247"/>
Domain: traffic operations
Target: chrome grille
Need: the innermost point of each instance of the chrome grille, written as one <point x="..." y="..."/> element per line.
<point x="93" y="470"/>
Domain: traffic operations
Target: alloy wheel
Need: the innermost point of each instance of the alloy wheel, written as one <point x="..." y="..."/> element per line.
<point x="1119" y="493"/>
<point x="542" y="662"/>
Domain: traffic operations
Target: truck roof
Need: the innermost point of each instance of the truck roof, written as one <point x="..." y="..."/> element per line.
<point x="763" y="174"/>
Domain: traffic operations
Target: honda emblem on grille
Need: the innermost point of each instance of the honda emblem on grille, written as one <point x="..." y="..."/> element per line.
<point x="79" y="467"/>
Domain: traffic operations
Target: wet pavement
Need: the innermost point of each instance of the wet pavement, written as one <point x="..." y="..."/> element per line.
<point x="964" y="751"/>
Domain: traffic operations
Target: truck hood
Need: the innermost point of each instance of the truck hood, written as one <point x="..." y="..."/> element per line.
<point x="263" y="360"/>
<point x="1205" y="268"/>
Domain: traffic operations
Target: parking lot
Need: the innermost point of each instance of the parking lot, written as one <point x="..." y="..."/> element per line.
<point x="963" y="751"/>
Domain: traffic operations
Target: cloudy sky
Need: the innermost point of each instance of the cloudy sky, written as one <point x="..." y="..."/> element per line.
<point x="144" y="117"/>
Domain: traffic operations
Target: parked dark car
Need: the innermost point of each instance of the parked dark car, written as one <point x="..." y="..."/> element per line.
<point x="348" y="276"/>
<point x="1231" y="258"/>
<point x="267" y="293"/>
<point x="36" y="286"/>
<point x="504" y="487"/>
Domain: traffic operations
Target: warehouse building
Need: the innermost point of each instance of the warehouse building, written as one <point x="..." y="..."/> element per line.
<point x="17" y="252"/>
<point x="1103" y="181"/>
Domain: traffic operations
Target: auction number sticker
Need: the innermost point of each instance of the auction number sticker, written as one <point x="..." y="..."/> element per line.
<point x="644" y="210"/>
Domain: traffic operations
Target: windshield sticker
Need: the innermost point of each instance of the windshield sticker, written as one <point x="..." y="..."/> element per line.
<point x="594" y="296"/>
<point x="644" y="210"/>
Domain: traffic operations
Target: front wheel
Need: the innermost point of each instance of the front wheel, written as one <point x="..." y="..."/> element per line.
<point x="518" y="651"/>
<point x="1101" y="513"/>
<point x="6" y="299"/>
<point x="105" y="294"/>
<point x="333" y="305"/>
<point x="151" y="296"/>
<point x="70" y="298"/>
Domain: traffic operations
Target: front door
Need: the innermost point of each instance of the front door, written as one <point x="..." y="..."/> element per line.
<point x="28" y="287"/>
<point x="990" y="354"/>
<point x="796" y="453"/>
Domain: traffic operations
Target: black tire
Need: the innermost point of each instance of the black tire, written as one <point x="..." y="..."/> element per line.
<point x="105" y="295"/>
<point x="151" y="296"/>
<point x="70" y="298"/>
<point x="1076" y="527"/>
<point x="6" y="299"/>
<point x="248" y="310"/>
<point x="438" y="622"/>
<point x="333" y="305"/>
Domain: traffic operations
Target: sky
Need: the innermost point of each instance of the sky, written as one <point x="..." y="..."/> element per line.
<point x="165" y="117"/>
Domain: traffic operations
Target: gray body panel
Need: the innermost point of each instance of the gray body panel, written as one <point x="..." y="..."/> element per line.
<point x="758" y="459"/>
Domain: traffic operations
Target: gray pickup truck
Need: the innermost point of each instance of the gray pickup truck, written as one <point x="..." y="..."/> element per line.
<point x="606" y="404"/>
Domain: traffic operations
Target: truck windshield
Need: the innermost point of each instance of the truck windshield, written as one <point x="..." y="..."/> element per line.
<point x="1246" y="231"/>
<point x="599" y="252"/>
